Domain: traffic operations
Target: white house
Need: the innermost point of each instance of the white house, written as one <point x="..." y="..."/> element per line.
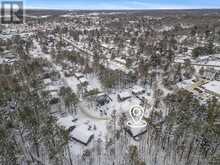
<point x="82" y="135"/>
<point x="83" y="81"/>
<point x="124" y="96"/>
<point x="120" y="61"/>
<point x="213" y="87"/>
<point x="47" y="81"/>
<point x="136" y="90"/>
<point x="136" y="132"/>
<point x="66" y="122"/>
<point x="79" y="75"/>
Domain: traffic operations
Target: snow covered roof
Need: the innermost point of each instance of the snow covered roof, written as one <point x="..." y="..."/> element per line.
<point x="47" y="81"/>
<point x="113" y="65"/>
<point x="90" y="88"/>
<point x="10" y="56"/>
<point x="66" y="122"/>
<point x="83" y="80"/>
<point x="124" y="95"/>
<point x="213" y="86"/>
<point x="101" y="94"/>
<point x="186" y="84"/>
<point x="136" y="131"/>
<point x="54" y="94"/>
<point x="137" y="89"/>
<point x="82" y="134"/>
<point x="79" y="75"/>
<point x="52" y="88"/>
<point x="121" y="61"/>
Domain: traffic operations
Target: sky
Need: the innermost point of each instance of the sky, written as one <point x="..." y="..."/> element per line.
<point x="122" y="4"/>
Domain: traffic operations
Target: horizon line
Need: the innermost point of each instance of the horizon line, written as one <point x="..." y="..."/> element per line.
<point x="134" y="9"/>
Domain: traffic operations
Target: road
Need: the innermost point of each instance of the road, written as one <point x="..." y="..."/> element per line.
<point x="77" y="47"/>
<point x="90" y="115"/>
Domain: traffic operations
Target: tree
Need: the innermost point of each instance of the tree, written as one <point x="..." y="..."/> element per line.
<point x="202" y="71"/>
<point x="210" y="47"/>
<point x="69" y="97"/>
<point x="199" y="51"/>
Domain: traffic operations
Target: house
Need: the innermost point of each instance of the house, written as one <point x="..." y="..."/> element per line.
<point x="102" y="99"/>
<point x="90" y="90"/>
<point x="81" y="134"/>
<point x="213" y="88"/>
<point x="136" y="90"/>
<point x="52" y="88"/>
<point x="54" y="97"/>
<point x="185" y="84"/>
<point x="217" y="76"/>
<point x="9" y="58"/>
<point x="136" y="132"/>
<point x="210" y="73"/>
<point x="83" y="81"/>
<point x="50" y="74"/>
<point x="55" y="75"/>
<point x="120" y="61"/>
<point x="124" y="96"/>
<point x="66" y="122"/>
<point x="78" y="75"/>
<point x="47" y="81"/>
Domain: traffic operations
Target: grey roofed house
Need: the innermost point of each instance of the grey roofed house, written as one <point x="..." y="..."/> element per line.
<point x="9" y="55"/>
<point x="217" y="76"/>
<point x="210" y="73"/>
<point x="102" y="99"/>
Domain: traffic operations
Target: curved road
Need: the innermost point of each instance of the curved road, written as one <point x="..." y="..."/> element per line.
<point x="83" y="110"/>
<point x="90" y="115"/>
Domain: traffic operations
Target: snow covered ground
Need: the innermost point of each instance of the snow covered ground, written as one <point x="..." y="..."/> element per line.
<point x="92" y="120"/>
